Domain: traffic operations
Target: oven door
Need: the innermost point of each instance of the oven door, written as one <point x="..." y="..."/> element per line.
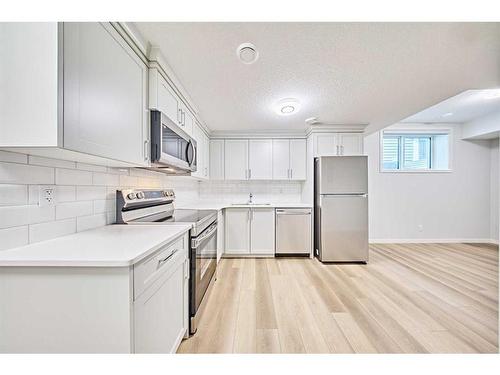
<point x="203" y="262"/>
<point x="171" y="147"/>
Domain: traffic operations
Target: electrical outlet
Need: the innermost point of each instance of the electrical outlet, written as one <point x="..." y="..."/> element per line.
<point x="46" y="196"/>
<point x="420" y="228"/>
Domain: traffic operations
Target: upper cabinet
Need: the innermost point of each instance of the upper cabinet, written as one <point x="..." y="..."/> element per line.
<point x="260" y="154"/>
<point x="203" y="152"/>
<point x="236" y="159"/>
<point x="163" y="98"/>
<point x="339" y="144"/>
<point x="105" y="107"/>
<point x="94" y="110"/>
<point x="289" y="159"/>
<point x="262" y="159"/>
<point x="216" y="159"/>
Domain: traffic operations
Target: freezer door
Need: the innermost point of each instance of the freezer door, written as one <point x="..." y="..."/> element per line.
<point x="342" y="174"/>
<point x="343" y="228"/>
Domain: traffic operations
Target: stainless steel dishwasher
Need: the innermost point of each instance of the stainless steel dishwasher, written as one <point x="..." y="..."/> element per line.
<point x="293" y="231"/>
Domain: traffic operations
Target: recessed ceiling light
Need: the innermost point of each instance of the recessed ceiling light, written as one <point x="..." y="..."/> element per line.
<point x="286" y="107"/>
<point x="448" y="114"/>
<point x="492" y="94"/>
<point x="247" y="53"/>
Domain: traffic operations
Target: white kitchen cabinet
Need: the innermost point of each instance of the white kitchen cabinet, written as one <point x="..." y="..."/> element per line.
<point x="236" y="159"/>
<point x="249" y="231"/>
<point x="281" y="159"/>
<point x="97" y="97"/>
<point x="351" y="144"/>
<point x="298" y="156"/>
<point x="216" y="159"/>
<point x="160" y="311"/>
<point x="289" y="159"/>
<point x="162" y="97"/>
<point x="339" y="144"/>
<point x="237" y="231"/>
<point x="105" y="86"/>
<point x="262" y="231"/>
<point x="260" y="155"/>
<point x="203" y="152"/>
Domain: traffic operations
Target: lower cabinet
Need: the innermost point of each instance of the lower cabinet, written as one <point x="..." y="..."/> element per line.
<point x="249" y="231"/>
<point x="160" y="311"/>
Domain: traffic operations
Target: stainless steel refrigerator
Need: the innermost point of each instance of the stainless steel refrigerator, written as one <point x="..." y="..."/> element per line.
<point x="341" y="208"/>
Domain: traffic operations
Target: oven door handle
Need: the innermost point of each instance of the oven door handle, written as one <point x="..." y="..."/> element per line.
<point x="208" y="233"/>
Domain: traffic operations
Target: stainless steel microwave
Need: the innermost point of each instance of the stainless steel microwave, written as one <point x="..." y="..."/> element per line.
<point x="172" y="149"/>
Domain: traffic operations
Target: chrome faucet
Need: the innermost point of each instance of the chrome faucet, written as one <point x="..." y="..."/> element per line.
<point x="250" y="197"/>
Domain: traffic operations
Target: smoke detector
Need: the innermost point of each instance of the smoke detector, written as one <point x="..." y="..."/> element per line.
<point x="312" y="121"/>
<point x="247" y="53"/>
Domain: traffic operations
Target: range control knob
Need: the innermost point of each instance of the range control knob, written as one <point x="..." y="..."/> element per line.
<point x="131" y="196"/>
<point x="140" y="195"/>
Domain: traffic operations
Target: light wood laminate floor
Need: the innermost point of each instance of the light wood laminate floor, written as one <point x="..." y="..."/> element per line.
<point x="415" y="298"/>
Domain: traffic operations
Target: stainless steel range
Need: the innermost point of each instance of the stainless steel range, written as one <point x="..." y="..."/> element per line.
<point x="156" y="207"/>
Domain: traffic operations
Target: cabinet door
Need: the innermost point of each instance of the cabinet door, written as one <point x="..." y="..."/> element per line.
<point x="237" y="231"/>
<point x="159" y="313"/>
<point x="166" y="99"/>
<point x="351" y="144"/>
<point x="262" y="231"/>
<point x="217" y="159"/>
<point x="298" y="159"/>
<point x="327" y="144"/>
<point x="281" y="159"/>
<point x="188" y="122"/>
<point x="105" y="83"/>
<point x="236" y="159"/>
<point x="260" y="156"/>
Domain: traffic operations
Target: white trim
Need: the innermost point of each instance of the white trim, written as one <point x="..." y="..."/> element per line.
<point x="416" y="129"/>
<point x="432" y="240"/>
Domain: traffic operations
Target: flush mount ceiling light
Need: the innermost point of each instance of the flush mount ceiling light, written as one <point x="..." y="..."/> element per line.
<point x="286" y="107"/>
<point x="247" y="53"/>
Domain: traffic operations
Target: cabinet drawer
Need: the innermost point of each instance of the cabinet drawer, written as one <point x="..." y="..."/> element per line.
<point x="150" y="269"/>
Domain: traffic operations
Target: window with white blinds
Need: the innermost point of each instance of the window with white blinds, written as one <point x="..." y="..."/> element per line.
<point x="414" y="152"/>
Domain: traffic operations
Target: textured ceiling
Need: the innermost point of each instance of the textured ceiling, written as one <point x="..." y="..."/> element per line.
<point x="461" y="108"/>
<point x="345" y="73"/>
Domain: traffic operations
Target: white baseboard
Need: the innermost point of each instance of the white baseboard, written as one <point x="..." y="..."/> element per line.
<point x="433" y="240"/>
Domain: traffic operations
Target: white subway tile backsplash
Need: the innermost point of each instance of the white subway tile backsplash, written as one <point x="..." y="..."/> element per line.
<point x="48" y="162"/>
<point x="89" y="222"/>
<point x="13" y="216"/>
<point x="41" y="214"/>
<point x="12" y="173"/>
<point x="52" y="229"/>
<point x="13" y="157"/>
<point x="13" y="195"/>
<point x="14" y="237"/>
<point x="91" y="167"/>
<point x="73" y="177"/>
<point x="128" y="181"/>
<point x="87" y="193"/>
<point x="105" y="179"/>
<point x="104" y="205"/>
<point x="73" y="209"/>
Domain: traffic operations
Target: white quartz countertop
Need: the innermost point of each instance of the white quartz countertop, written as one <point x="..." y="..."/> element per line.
<point x="207" y="205"/>
<point x="109" y="246"/>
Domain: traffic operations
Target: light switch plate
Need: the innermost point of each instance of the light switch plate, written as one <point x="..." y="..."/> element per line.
<point x="46" y="195"/>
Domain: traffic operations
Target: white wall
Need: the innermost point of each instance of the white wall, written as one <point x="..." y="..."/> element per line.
<point x="85" y="195"/>
<point x="450" y="206"/>
<point x="494" y="190"/>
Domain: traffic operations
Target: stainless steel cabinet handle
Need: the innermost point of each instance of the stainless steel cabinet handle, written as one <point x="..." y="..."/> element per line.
<point x="179" y="116"/>
<point x="161" y="261"/>
<point x="183" y="118"/>
<point x="342" y="149"/>
<point x="291" y="174"/>
<point x="338" y="150"/>
<point x="249" y="174"/>
<point x="146" y="150"/>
